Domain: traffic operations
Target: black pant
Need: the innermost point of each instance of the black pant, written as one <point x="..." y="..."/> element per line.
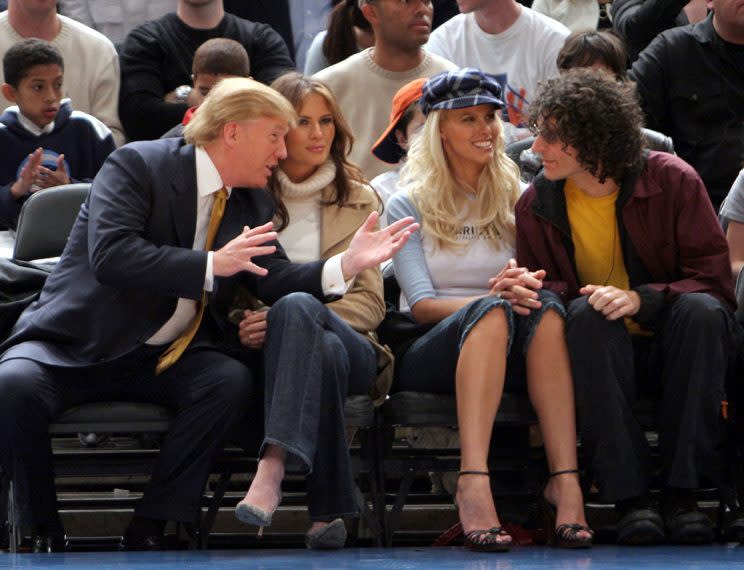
<point x="207" y="390"/>
<point x="690" y="353"/>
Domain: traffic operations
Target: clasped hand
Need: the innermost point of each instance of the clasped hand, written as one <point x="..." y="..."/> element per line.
<point x="34" y="177"/>
<point x="252" y="329"/>
<point x="519" y="286"/>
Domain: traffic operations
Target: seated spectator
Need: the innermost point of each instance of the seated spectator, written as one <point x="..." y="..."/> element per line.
<point x="704" y="116"/>
<point x="348" y="32"/>
<point x="629" y="240"/>
<point x="92" y="64"/>
<point x="214" y="60"/>
<point x="170" y="226"/>
<point x="297" y="21"/>
<point x="605" y="50"/>
<point x="516" y="44"/>
<point x="458" y="276"/>
<point x="732" y="220"/>
<point x="45" y="143"/>
<point x="599" y="49"/>
<point x="157" y="58"/>
<point x="576" y="15"/>
<point x="114" y="18"/>
<point x="406" y="120"/>
<point x="315" y="355"/>
<point x="640" y="21"/>
<point x="401" y="29"/>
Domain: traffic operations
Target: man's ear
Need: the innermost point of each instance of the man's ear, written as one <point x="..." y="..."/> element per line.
<point x="370" y="13"/>
<point x="9" y="92"/>
<point x="230" y="134"/>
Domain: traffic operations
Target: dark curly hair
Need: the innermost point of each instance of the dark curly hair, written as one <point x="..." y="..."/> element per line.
<point x="589" y="110"/>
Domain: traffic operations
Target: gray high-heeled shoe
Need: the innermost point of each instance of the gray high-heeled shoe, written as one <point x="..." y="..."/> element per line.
<point x="330" y="537"/>
<point x="250" y="514"/>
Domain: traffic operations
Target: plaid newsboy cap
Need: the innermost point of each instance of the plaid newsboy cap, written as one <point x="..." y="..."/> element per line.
<point x="466" y="87"/>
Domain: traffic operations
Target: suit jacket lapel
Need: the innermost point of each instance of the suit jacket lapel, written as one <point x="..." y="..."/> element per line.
<point x="183" y="198"/>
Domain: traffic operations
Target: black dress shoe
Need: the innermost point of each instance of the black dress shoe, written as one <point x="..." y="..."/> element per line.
<point x="144" y="534"/>
<point x="48" y="543"/>
<point x="639" y="523"/>
<point x="154" y="542"/>
<point x="684" y="522"/>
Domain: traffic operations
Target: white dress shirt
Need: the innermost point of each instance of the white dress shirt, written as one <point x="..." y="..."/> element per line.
<point x="208" y="182"/>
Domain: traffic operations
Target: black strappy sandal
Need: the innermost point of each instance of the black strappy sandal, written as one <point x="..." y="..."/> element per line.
<point x="485" y="540"/>
<point x="565" y="535"/>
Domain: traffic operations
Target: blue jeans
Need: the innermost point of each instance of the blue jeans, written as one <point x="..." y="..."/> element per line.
<point x="430" y="362"/>
<point x="313" y="360"/>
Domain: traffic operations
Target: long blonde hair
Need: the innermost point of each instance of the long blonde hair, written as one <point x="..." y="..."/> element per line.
<point x="431" y="185"/>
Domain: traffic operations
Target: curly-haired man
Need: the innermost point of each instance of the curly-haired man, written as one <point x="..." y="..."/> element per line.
<point x="630" y="241"/>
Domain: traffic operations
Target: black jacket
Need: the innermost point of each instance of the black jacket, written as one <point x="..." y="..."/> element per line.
<point x="691" y="85"/>
<point x="640" y="21"/>
<point x="156" y="57"/>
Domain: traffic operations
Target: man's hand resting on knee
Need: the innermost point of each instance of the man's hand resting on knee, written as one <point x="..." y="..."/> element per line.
<point x="612" y="302"/>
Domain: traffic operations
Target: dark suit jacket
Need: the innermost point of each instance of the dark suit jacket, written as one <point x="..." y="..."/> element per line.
<point x="272" y="12"/>
<point x="129" y="259"/>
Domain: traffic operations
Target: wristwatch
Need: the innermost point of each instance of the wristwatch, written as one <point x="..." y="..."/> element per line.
<point x="182" y="93"/>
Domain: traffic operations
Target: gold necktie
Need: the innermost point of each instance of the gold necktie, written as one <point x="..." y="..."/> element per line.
<point x="178" y="346"/>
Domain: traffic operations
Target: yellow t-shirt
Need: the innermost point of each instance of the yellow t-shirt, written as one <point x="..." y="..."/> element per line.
<point x="596" y="239"/>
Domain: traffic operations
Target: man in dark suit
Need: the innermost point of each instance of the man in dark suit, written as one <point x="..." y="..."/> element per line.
<point x="129" y="295"/>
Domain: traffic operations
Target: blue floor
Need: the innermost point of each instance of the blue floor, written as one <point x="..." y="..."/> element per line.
<point x="601" y="557"/>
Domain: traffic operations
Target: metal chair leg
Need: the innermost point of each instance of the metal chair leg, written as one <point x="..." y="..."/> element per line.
<point x="13" y="523"/>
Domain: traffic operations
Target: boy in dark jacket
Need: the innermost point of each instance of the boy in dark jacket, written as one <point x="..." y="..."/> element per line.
<point x="45" y="143"/>
<point x="630" y="240"/>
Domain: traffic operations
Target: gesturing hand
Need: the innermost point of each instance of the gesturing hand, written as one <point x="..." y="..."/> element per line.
<point x="612" y="302"/>
<point x="252" y="329"/>
<point x="369" y="248"/>
<point x="237" y="254"/>
<point x="27" y="177"/>
<point x="47" y="177"/>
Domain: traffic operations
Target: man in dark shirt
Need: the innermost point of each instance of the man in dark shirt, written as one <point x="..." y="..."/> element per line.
<point x="691" y="84"/>
<point x="156" y="61"/>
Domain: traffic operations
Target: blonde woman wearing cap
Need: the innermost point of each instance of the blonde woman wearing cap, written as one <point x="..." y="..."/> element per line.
<point x="457" y="275"/>
<point x="321" y="201"/>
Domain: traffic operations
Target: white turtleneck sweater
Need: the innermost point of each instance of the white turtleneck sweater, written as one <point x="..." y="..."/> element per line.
<point x="301" y="238"/>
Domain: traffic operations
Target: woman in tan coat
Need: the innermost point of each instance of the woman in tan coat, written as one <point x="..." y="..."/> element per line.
<point x="314" y="354"/>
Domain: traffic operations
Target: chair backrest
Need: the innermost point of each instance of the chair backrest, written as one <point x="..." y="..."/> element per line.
<point x="654" y="140"/>
<point x="46" y="220"/>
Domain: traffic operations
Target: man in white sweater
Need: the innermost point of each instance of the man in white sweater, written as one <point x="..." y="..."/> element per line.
<point x="512" y="42"/>
<point x="365" y="83"/>
<point x="91" y="63"/>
